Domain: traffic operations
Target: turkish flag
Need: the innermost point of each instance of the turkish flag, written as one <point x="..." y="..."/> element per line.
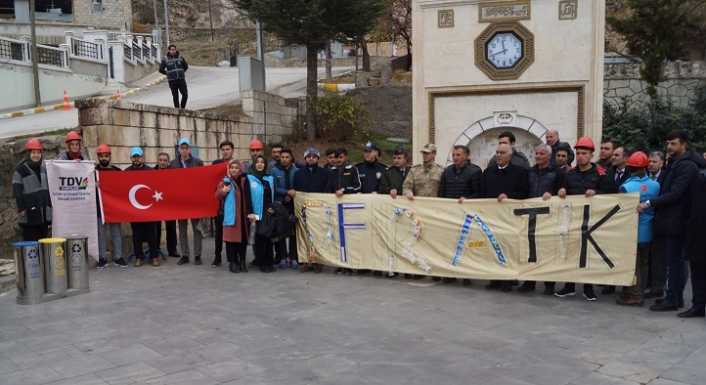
<point x="159" y="195"/>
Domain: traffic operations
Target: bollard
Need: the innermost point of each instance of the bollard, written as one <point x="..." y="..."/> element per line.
<point x="54" y="255"/>
<point x="77" y="247"/>
<point x="29" y="273"/>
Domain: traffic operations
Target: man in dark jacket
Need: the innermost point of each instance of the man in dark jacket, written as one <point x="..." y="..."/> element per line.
<point x="552" y="138"/>
<point x="502" y="181"/>
<point x="163" y="163"/>
<point x="393" y="178"/>
<point x="283" y="173"/>
<point x="462" y="179"/>
<point x="671" y="213"/>
<point x="696" y="246"/>
<point x="143" y="232"/>
<point x="310" y="179"/>
<point x="619" y="171"/>
<point x="370" y="171"/>
<point x="585" y="179"/>
<point x="605" y="157"/>
<point x="343" y="178"/>
<point x="31" y="192"/>
<point x="518" y="158"/>
<point x="105" y="230"/>
<point x="175" y="67"/>
<point x="187" y="160"/>
<point x="544" y="181"/>
<point x="226" y="148"/>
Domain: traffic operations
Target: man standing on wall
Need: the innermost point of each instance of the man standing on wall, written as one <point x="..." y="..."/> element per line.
<point x="175" y="67"/>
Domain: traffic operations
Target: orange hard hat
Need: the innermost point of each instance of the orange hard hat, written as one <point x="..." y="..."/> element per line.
<point x="103" y="149"/>
<point x="638" y="159"/>
<point x="34" y="144"/>
<point x="585" y="143"/>
<point x="256" y="144"/>
<point x="72" y="135"/>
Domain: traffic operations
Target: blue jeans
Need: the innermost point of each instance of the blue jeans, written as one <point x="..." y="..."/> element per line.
<point x="677" y="273"/>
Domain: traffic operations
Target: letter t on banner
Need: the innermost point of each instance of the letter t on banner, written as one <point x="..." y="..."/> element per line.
<point x="531" y="228"/>
<point x="343" y="226"/>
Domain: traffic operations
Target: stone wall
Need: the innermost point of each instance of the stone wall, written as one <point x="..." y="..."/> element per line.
<point x="623" y="84"/>
<point x="113" y="14"/>
<point x="275" y="116"/>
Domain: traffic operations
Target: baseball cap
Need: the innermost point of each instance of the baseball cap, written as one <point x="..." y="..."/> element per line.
<point x="136" y="151"/>
<point x="184" y="141"/>
<point x="370" y="146"/>
<point x="312" y="151"/>
<point x="429" y="147"/>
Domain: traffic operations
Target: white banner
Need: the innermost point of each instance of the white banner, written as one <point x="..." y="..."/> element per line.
<point x="72" y="187"/>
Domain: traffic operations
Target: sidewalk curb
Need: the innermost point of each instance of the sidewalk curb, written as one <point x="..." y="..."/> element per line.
<point x="72" y="104"/>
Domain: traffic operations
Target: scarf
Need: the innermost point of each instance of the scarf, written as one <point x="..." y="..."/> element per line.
<point x="229" y="206"/>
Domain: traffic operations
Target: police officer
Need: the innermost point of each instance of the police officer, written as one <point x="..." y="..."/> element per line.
<point x="143" y="231"/>
<point x="370" y="170"/>
<point x="589" y="179"/>
<point x="423" y="179"/>
<point x="344" y="177"/>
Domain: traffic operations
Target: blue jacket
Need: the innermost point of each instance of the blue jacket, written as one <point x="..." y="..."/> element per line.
<point x="648" y="189"/>
<point x="257" y="193"/>
<point x="284" y="180"/>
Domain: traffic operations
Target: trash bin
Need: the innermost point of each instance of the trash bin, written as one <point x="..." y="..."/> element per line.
<point x="54" y="254"/>
<point x="76" y="247"/>
<point x="29" y="273"/>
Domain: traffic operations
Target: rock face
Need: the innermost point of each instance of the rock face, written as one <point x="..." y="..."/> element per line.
<point x="7" y="267"/>
<point x="390" y="109"/>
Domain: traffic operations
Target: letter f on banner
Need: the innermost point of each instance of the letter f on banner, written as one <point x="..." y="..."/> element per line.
<point x="586" y="236"/>
<point x="343" y="226"/>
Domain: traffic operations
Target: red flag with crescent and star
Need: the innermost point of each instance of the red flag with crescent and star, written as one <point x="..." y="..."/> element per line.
<point x="159" y="195"/>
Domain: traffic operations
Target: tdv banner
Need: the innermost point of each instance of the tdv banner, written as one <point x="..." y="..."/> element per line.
<point x="577" y="239"/>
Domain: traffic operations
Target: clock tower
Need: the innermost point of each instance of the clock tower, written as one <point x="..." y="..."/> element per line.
<point x="486" y="66"/>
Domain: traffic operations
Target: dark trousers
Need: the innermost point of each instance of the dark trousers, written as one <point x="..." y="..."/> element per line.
<point x="235" y="251"/>
<point x="179" y="86"/>
<point x="34" y="232"/>
<point x="281" y="248"/>
<point x="218" y="236"/>
<point x="698" y="281"/>
<point x="144" y="232"/>
<point x="263" y="251"/>
<point x="658" y="271"/>
<point x="641" y="269"/>
<point x="171" y="236"/>
<point x="673" y="251"/>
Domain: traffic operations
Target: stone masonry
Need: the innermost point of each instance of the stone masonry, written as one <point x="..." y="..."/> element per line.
<point x="110" y="14"/>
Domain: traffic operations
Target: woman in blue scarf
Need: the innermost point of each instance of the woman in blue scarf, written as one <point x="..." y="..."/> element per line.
<point x="234" y="191"/>
<point x="262" y="195"/>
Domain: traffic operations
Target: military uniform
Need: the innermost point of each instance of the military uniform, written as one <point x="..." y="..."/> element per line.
<point x="392" y="179"/>
<point x="345" y="177"/>
<point x="423" y="180"/>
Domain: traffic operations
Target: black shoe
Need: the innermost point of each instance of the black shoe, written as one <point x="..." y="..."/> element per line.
<point x="694" y="312"/>
<point x="493" y="285"/>
<point x="197" y="260"/>
<point x="506" y="287"/>
<point x="567" y="291"/>
<point x="121" y="263"/>
<point x="339" y="270"/>
<point x="526" y="287"/>
<point x="234" y="268"/>
<point x="174" y="256"/>
<point x="216" y="262"/>
<point x="448" y="280"/>
<point x="588" y="293"/>
<point x="608" y="290"/>
<point x="243" y="265"/>
<point x="348" y="272"/>
<point x="653" y="294"/>
<point x="436" y="279"/>
<point x="548" y="289"/>
<point x="377" y="273"/>
<point x="183" y="260"/>
<point x="467" y="282"/>
<point x="102" y="263"/>
<point x="664" y="306"/>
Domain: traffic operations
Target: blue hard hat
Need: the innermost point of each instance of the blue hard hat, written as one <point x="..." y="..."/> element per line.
<point x="185" y="141"/>
<point x="136" y="151"/>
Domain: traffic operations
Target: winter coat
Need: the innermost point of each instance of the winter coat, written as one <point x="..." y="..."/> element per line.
<point x="284" y="180"/>
<point x="672" y="204"/>
<point x="392" y="179"/>
<point x="577" y="182"/>
<point x="370" y="175"/>
<point x="259" y="201"/>
<point x="31" y="191"/>
<point x="696" y="223"/>
<point x="344" y="177"/>
<point x="243" y="206"/>
<point x="518" y="159"/>
<point x="311" y="179"/>
<point x="423" y="180"/>
<point x="464" y="181"/>
<point x="174" y="67"/>
<point x="189" y="163"/>
<point x="543" y="180"/>
<point x="511" y="181"/>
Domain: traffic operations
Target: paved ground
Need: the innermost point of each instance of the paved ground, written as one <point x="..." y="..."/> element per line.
<point x="208" y="87"/>
<point x="198" y="325"/>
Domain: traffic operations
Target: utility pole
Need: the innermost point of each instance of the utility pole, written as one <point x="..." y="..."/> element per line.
<point x="35" y="56"/>
<point x="166" y="23"/>
<point x="210" y="17"/>
<point x="261" y="51"/>
<point x="156" y="22"/>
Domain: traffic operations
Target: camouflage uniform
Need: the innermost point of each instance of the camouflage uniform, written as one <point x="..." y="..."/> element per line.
<point x="423" y="180"/>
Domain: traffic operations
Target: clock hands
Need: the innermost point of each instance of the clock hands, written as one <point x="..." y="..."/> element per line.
<point x="498" y="53"/>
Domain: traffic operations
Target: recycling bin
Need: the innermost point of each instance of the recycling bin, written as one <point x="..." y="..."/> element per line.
<point x="76" y="247"/>
<point x="54" y="255"/>
<point x="29" y="272"/>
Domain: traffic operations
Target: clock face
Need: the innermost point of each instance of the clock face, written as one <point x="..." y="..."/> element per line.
<point x="504" y="50"/>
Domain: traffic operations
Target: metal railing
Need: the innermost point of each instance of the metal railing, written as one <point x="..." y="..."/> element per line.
<point x="127" y="51"/>
<point x="86" y="49"/>
<point x="11" y="49"/>
<point x="154" y="52"/>
<point x="146" y="52"/>
<point x="51" y="56"/>
<point x="136" y="51"/>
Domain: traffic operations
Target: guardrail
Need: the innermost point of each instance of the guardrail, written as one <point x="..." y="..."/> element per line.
<point x="11" y="49"/>
<point x="136" y="51"/>
<point x="52" y="56"/>
<point x="87" y="49"/>
<point x="20" y="51"/>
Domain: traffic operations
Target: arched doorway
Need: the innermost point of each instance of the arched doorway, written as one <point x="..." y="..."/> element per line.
<point x="481" y="137"/>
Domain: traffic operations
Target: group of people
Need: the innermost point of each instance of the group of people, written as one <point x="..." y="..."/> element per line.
<point x="256" y="202"/>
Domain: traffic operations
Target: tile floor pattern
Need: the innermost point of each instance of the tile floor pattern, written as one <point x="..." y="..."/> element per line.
<point x="198" y="325"/>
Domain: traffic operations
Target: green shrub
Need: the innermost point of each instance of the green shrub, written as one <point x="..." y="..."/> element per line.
<point x="341" y="117"/>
